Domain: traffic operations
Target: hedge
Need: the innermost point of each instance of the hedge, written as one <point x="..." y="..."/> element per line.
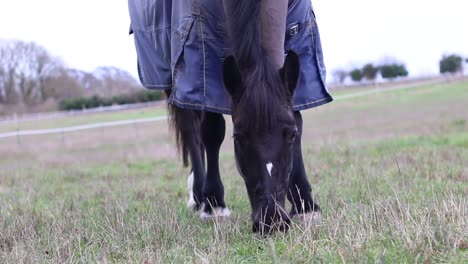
<point x="97" y="101"/>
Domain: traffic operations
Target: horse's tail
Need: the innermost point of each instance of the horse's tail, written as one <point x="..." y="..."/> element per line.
<point x="243" y="28"/>
<point x="185" y="124"/>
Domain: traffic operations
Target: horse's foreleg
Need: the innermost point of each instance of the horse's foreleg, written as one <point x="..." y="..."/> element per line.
<point x="187" y="126"/>
<point x="197" y="175"/>
<point x="213" y="131"/>
<point x="300" y="190"/>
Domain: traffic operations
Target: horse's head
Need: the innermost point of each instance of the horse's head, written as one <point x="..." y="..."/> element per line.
<point x="264" y="134"/>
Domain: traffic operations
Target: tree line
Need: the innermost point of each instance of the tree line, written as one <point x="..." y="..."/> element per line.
<point x="30" y="76"/>
<point x="448" y="64"/>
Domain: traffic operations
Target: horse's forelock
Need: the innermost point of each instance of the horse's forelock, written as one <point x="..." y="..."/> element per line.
<point x="264" y="96"/>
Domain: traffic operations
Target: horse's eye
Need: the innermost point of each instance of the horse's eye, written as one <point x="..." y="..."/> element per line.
<point x="236" y="139"/>
<point x="292" y="137"/>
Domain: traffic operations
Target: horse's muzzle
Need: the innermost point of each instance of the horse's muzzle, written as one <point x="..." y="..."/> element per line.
<point x="270" y="218"/>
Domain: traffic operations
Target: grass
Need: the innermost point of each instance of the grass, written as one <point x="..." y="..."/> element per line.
<point x="67" y="121"/>
<point x="390" y="171"/>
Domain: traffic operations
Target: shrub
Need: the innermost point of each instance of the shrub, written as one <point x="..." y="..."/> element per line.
<point x="451" y="64"/>
<point x="97" y="101"/>
<point x="356" y="75"/>
<point x="369" y="71"/>
<point x="391" y="71"/>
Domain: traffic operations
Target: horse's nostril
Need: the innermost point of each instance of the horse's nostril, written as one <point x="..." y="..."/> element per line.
<point x="256" y="227"/>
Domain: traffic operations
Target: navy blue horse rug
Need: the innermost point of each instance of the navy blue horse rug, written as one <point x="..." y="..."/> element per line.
<point x="181" y="47"/>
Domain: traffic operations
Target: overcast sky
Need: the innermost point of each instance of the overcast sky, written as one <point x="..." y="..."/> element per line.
<point x="86" y="34"/>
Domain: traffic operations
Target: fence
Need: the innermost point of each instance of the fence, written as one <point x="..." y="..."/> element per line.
<point x="64" y="130"/>
<point x="52" y="115"/>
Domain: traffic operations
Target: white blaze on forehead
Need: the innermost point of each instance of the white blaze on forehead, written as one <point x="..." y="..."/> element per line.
<point x="269" y="167"/>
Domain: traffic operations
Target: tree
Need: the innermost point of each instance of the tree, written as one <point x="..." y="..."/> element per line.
<point x="401" y="70"/>
<point x="24" y="68"/>
<point x="392" y="71"/>
<point x="8" y="67"/>
<point x="114" y="81"/>
<point x="356" y="75"/>
<point x="369" y="71"/>
<point x="340" y="76"/>
<point x="29" y="75"/>
<point x="63" y="84"/>
<point x="451" y="64"/>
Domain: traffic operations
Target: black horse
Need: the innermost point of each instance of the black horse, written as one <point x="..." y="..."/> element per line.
<point x="267" y="131"/>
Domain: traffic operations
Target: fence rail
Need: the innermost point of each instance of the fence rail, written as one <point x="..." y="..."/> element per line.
<point x="146" y="120"/>
<point x="79" y="128"/>
<point x="58" y="114"/>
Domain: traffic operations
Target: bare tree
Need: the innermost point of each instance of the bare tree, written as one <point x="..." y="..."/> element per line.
<point x="114" y="81"/>
<point x="63" y="85"/>
<point x="29" y="75"/>
<point x="24" y="70"/>
<point x="105" y="81"/>
<point x="340" y="75"/>
<point x="35" y="65"/>
<point x="8" y="66"/>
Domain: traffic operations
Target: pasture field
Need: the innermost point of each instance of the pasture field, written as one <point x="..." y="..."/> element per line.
<point x="67" y="121"/>
<point x="390" y="171"/>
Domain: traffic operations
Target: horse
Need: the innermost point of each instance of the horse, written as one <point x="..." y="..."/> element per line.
<point x="267" y="128"/>
<point x="267" y="132"/>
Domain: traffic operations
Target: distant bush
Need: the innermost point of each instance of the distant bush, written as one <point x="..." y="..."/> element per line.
<point x="391" y="71"/>
<point x="356" y="75"/>
<point x="97" y="101"/>
<point x="369" y="71"/>
<point x="451" y="64"/>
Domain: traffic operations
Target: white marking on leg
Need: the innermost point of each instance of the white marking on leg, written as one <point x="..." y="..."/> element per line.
<point x="269" y="167"/>
<point x="311" y="218"/>
<point x="217" y="212"/>
<point x="191" y="202"/>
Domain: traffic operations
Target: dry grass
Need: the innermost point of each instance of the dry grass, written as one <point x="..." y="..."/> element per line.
<point x="390" y="171"/>
<point x="81" y="119"/>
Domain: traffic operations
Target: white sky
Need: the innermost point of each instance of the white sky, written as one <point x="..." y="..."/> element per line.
<point x="86" y="34"/>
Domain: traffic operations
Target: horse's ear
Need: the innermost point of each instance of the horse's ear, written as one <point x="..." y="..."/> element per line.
<point x="232" y="77"/>
<point x="291" y="71"/>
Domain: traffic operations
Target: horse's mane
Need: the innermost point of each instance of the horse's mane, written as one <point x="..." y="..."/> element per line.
<point x="243" y="27"/>
<point x="264" y="89"/>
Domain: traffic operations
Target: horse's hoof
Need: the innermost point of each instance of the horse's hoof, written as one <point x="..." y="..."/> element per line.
<point x="218" y="212"/>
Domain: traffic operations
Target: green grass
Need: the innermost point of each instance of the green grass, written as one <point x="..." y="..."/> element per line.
<point x="373" y="210"/>
<point x="440" y="93"/>
<point x="389" y="170"/>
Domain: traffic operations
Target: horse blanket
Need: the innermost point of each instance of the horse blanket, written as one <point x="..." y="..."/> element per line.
<point x="181" y="46"/>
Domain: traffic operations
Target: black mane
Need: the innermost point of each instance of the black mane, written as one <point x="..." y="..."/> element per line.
<point x="264" y="96"/>
<point x="264" y="92"/>
<point x="243" y="28"/>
